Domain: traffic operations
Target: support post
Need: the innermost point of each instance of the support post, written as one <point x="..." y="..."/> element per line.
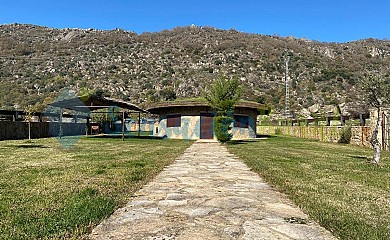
<point x="139" y="124"/>
<point x="123" y="125"/>
<point x="60" y="129"/>
<point x="29" y="129"/>
<point x="362" y="120"/>
<point x="88" y="127"/>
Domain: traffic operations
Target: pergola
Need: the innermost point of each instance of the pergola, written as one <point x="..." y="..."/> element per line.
<point x="87" y="104"/>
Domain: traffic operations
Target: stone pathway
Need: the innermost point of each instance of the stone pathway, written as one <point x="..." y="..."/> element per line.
<point x="207" y="193"/>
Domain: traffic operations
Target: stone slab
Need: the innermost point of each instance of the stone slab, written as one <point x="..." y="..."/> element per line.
<point x="208" y="193"/>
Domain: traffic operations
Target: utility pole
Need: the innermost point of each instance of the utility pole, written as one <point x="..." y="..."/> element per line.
<point x="287" y="109"/>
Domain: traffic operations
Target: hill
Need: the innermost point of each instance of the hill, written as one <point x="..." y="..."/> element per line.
<point x="36" y="63"/>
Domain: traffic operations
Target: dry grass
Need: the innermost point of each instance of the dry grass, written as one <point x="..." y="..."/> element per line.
<point x="48" y="192"/>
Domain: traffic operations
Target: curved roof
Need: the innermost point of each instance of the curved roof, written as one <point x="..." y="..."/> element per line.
<point x="156" y="108"/>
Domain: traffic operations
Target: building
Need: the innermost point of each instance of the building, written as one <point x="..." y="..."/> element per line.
<point x="194" y="119"/>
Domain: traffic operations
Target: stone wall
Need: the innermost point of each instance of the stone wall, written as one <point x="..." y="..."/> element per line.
<point x="19" y="130"/>
<point x="360" y="135"/>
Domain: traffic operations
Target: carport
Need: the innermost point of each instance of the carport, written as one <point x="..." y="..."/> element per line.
<point x="87" y="104"/>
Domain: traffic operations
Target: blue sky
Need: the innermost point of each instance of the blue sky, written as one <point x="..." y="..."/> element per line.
<point x="322" y="20"/>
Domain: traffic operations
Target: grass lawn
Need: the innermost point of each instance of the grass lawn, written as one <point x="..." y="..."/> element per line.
<point x="332" y="183"/>
<point x="48" y="192"/>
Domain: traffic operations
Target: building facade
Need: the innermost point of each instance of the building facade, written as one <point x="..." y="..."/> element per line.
<point x="195" y="120"/>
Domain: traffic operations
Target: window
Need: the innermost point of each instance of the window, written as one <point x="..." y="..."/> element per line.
<point x="241" y="121"/>
<point x="174" y="120"/>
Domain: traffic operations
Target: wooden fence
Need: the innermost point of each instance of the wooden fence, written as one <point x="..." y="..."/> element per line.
<point x="361" y="135"/>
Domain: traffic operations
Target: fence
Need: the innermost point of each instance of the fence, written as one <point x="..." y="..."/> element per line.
<point x="20" y="130"/>
<point x="360" y="135"/>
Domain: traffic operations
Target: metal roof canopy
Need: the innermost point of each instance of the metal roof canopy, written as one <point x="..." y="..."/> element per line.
<point x="90" y="103"/>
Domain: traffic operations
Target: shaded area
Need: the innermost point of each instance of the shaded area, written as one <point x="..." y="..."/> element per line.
<point x="359" y="157"/>
<point x="265" y="136"/>
<point x="119" y="135"/>
<point x="235" y="142"/>
<point x="30" y="146"/>
<point x="259" y="137"/>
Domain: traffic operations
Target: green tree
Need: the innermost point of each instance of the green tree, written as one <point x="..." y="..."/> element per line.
<point x="376" y="89"/>
<point x="222" y="96"/>
<point x="83" y="91"/>
<point x="261" y="99"/>
<point x="29" y="111"/>
<point x="106" y="115"/>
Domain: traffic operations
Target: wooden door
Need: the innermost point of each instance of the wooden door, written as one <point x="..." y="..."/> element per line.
<point x="206" y="126"/>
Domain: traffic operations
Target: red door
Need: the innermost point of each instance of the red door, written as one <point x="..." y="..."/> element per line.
<point x="206" y="126"/>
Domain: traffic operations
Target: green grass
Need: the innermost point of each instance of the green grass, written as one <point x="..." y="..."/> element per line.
<point x="332" y="183"/>
<point x="48" y="192"/>
<point x="199" y="99"/>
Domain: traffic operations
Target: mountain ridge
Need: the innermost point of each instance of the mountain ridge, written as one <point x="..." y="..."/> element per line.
<point x="37" y="62"/>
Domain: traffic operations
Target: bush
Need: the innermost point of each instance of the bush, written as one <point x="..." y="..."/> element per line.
<point x="345" y="135"/>
<point x="168" y="94"/>
<point x="278" y="131"/>
<point x="222" y="128"/>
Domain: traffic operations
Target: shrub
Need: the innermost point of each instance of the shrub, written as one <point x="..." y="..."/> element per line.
<point x="222" y="95"/>
<point x="222" y="128"/>
<point x="168" y="94"/>
<point x="278" y="131"/>
<point x="345" y="135"/>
